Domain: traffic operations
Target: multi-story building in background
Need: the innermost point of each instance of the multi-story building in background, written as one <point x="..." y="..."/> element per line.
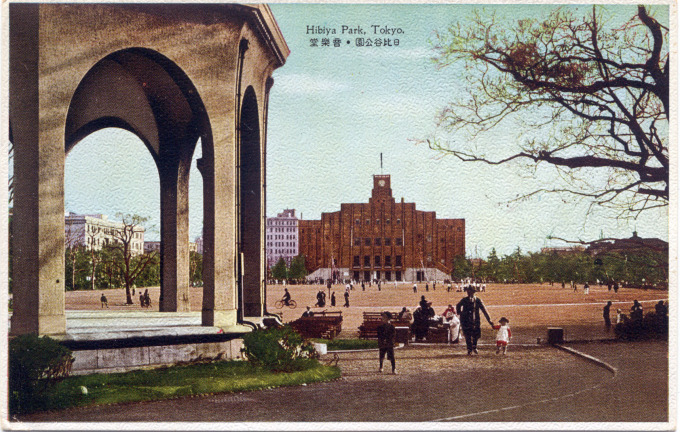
<point x="381" y="239"/>
<point x="155" y="246"/>
<point x="96" y="231"/>
<point x="282" y="237"/>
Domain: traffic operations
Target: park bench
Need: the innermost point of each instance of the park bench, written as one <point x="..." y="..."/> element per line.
<point x="325" y="325"/>
<point x="372" y="320"/>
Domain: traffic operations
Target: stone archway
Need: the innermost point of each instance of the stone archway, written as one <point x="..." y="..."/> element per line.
<point x="250" y="207"/>
<point x="146" y="93"/>
<point x="76" y="68"/>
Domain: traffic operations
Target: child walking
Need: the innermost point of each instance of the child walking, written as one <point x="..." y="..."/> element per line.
<point x="503" y="336"/>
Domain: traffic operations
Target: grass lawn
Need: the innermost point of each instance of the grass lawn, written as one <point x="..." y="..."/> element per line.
<point x="348" y="344"/>
<point x="163" y="383"/>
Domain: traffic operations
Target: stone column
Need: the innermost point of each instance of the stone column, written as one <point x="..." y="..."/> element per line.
<point x="38" y="213"/>
<point x="219" y="300"/>
<point x="174" y="183"/>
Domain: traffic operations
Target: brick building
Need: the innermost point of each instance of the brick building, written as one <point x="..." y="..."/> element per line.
<point x="382" y="239"/>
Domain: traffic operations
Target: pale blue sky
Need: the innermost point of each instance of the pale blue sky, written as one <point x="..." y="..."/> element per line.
<point x="334" y="110"/>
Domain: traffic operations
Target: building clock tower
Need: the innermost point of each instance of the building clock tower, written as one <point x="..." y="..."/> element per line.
<point x="382" y="190"/>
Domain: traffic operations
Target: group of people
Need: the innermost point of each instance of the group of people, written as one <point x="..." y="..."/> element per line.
<point x="465" y="317"/>
<point x="611" y="285"/>
<point x="636" y="313"/>
<point x="144" y="299"/>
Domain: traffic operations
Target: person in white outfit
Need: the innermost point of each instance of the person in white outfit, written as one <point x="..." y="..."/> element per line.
<point x="503" y="336"/>
<point x="452" y="320"/>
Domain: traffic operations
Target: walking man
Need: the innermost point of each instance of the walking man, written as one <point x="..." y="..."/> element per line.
<point x="104" y="301"/>
<point x="468" y="310"/>
<point x="605" y="315"/>
<point x="346" y="299"/>
<point x="386" y="333"/>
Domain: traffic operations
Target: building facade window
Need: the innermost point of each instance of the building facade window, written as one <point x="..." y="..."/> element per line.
<point x="397" y="260"/>
<point x="398" y="241"/>
<point x="367" y="241"/>
<point x="355" y="261"/>
<point x="388" y="242"/>
<point x="388" y="261"/>
<point x="377" y="261"/>
<point x="367" y="261"/>
<point x="378" y="241"/>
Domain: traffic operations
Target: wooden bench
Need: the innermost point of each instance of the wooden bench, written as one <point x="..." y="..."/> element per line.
<point x="373" y="320"/>
<point x="325" y="325"/>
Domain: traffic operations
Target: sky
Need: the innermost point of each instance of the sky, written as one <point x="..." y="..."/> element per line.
<point x="334" y="110"/>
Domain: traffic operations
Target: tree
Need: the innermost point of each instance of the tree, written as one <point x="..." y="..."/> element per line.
<point x="73" y="249"/>
<point x="462" y="268"/>
<point x="280" y="271"/>
<point x="195" y="268"/>
<point x="128" y="266"/>
<point x="297" y="270"/>
<point x="591" y="97"/>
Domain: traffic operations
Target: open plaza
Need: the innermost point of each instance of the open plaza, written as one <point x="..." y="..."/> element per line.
<point x="531" y="308"/>
<point x="627" y="381"/>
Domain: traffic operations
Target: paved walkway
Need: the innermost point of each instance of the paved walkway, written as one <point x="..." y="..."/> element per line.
<point x="440" y="383"/>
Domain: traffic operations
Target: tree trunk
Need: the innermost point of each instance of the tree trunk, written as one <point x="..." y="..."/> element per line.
<point x="128" y="294"/>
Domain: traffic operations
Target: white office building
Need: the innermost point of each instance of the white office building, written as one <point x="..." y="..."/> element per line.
<point x="282" y="237"/>
<point x="96" y="231"/>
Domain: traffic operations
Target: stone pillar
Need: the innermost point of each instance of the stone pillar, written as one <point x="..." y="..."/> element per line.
<point x="219" y="302"/>
<point x="174" y="183"/>
<point x="38" y="213"/>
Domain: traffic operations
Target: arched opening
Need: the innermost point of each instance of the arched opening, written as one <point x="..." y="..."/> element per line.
<point x="249" y="208"/>
<point x="145" y="93"/>
<point x="109" y="173"/>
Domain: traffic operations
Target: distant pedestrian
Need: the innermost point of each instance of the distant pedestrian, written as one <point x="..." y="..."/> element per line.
<point x="434" y="286"/>
<point x="415" y="288"/>
<point x="661" y="310"/>
<point x="619" y="316"/>
<point x="333" y="299"/>
<point x="386" y="333"/>
<point x="147" y="299"/>
<point x="616" y="287"/>
<point x="575" y="286"/>
<point x="142" y="302"/>
<point x="363" y="286"/>
<point x="605" y="315"/>
<point x="379" y="285"/>
<point x="104" y="301"/>
<point x="427" y="287"/>
<point x="346" y="299"/>
<point x="423" y="302"/>
<point x="586" y="288"/>
<point x="636" y="311"/>
<point x="503" y="336"/>
<point x="448" y="287"/>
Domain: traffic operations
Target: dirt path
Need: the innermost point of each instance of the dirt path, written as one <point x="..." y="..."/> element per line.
<point x="439" y="382"/>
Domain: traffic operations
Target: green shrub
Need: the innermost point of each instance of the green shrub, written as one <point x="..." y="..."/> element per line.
<point x="35" y="363"/>
<point x="279" y="349"/>
<point x="650" y="327"/>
